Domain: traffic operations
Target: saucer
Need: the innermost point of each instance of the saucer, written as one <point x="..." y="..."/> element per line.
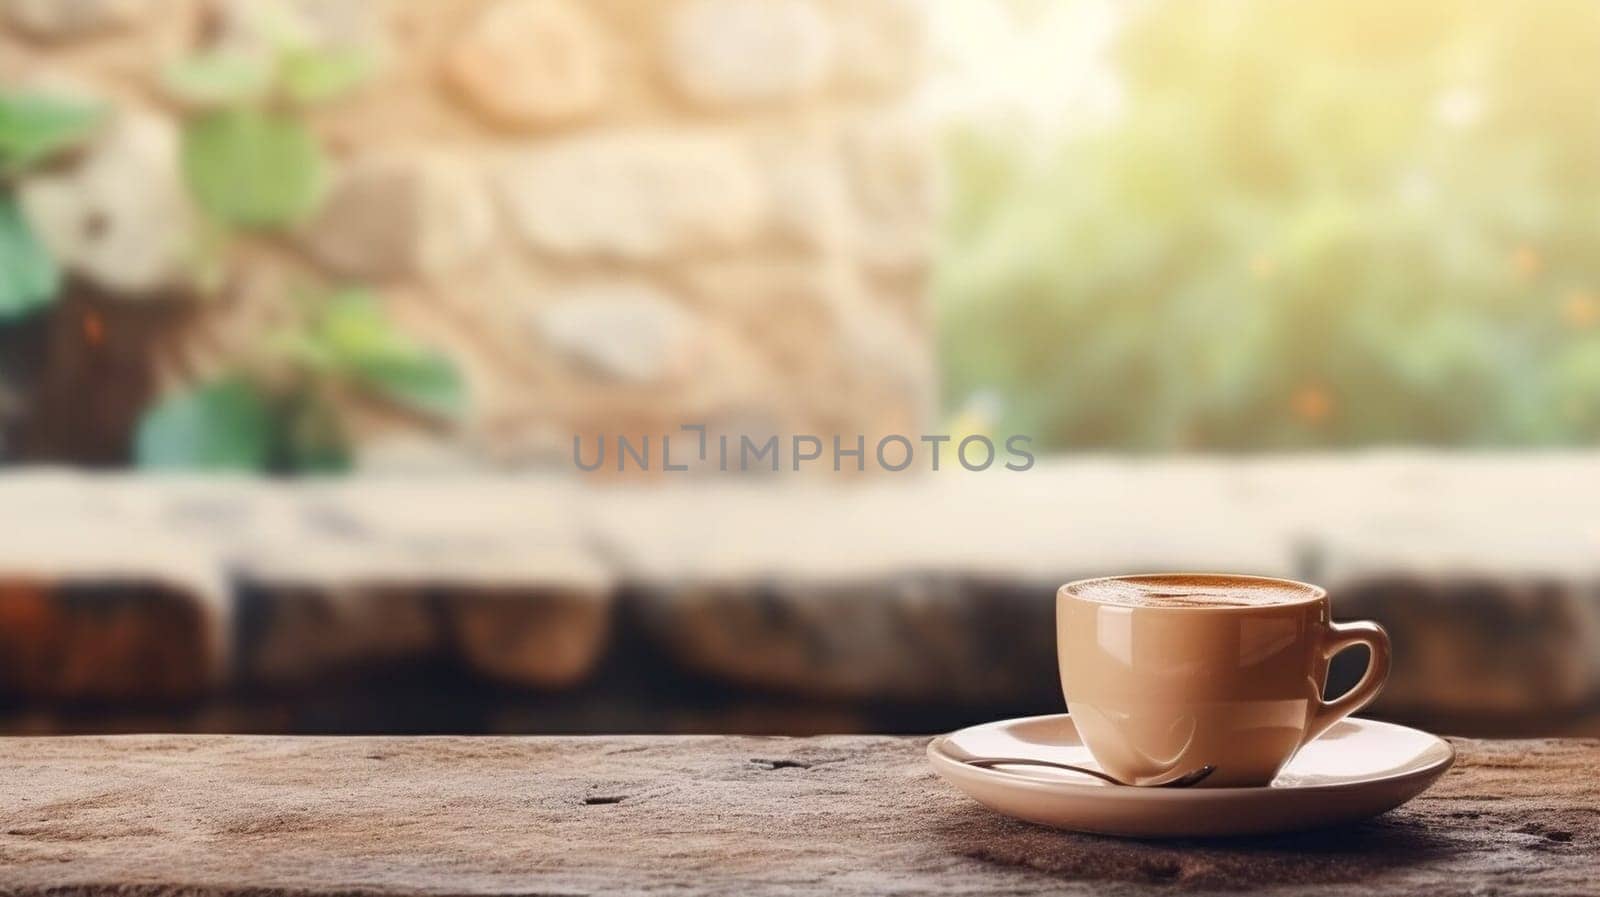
<point x="1356" y="769"/>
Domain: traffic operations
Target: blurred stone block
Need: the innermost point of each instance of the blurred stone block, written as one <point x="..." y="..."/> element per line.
<point x="742" y="52"/>
<point x="635" y="195"/>
<point x="539" y="631"/>
<point x="526" y="63"/>
<point x="1483" y="646"/>
<point x="925" y="637"/>
<point x="629" y="332"/>
<point x="541" y="634"/>
<point x="134" y="637"/>
<point x="370" y="576"/>
<point x="121" y="218"/>
<point x="294" y="632"/>
<point x="881" y="44"/>
<point x="393" y="216"/>
<point x="895" y="178"/>
<point x="68" y="19"/>
<point x="98" y="604"/>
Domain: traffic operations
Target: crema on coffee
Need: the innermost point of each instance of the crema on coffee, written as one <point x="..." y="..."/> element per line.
<point x="1197" y="591"/>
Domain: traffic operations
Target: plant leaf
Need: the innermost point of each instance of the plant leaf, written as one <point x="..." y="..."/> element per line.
<point x="254" y="169"/>
<point x="319" y="75"/>
<point x="29" y="278"/>
<point x="350" y="325"/>
<point x="34" y="127"/>
<point x="225" y="425"/>
<point x="423" y="381"/>
<point x="219" y="77"/>
<point x="351" y="337"/>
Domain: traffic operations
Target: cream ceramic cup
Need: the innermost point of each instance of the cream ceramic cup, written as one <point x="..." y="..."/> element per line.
<point x="1159" y="684"/>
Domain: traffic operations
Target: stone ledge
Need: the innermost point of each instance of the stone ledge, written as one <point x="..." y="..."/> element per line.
<point x="915" y="589"/>
<point x="93" y="609"/>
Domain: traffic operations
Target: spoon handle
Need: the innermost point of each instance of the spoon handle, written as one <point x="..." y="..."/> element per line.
<point x="991" y="762"/>
<point x="1184" y="781"/>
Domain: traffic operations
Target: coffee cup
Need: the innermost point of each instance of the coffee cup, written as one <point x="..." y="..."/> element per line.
<point x="1166" y="674"/>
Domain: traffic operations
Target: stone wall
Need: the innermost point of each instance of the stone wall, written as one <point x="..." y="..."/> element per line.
<point x="615" y="215"/>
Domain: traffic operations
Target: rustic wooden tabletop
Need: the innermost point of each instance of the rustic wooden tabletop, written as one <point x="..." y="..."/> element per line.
<point x="216" y="815"/>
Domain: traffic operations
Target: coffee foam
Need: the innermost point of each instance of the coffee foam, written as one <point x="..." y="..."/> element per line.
<point x="1192" y="591"/>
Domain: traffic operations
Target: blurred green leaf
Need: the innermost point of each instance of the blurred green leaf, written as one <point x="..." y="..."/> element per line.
<point x="349" y="336"/>
<point x="219" y="78"/>
<point x="29" y="278"/>
<point x="319" y="75"/>
<point x="35" y="127"/>
<point x="421" y="380"/>
<point x="226" y="425"/>
<point x="347" y="341"/>
<point x="252" y="168"/>
<point x="362" y="343"/>
<point x="350" y="326"/>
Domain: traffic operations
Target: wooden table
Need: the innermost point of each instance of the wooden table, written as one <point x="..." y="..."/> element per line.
<point x="204" y="815"/>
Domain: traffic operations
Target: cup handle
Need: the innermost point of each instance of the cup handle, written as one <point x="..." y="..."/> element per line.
<point x="1348" y="635"/>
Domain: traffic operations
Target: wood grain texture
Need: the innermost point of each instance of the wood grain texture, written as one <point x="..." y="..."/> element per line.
<point x="213" y="815"/>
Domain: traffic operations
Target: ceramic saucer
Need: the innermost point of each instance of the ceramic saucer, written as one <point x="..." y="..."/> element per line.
<point x="1356" y="769"/>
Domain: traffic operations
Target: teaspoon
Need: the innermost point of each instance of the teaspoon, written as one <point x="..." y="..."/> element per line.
<point x="1188" y="779"/>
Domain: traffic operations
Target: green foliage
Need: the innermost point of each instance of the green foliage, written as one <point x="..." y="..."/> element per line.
<point x="34" y="127"/>
<point x="425" y="382"/>
<point x="1331" y="223"/>
<point x="350" y="339"/>
<point x="250" y="158"/>
<point x="252" y="161"/>
<point x="345" y="344"/>
<point x="251" y="168"/>
<point x="220" y="78"/>
<point x="295" y="75"/>
<point x="226" y="425"/>
<point x="29" y="278"/>
<point x="235" y="423"/>
<point x="323" y="74"/>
